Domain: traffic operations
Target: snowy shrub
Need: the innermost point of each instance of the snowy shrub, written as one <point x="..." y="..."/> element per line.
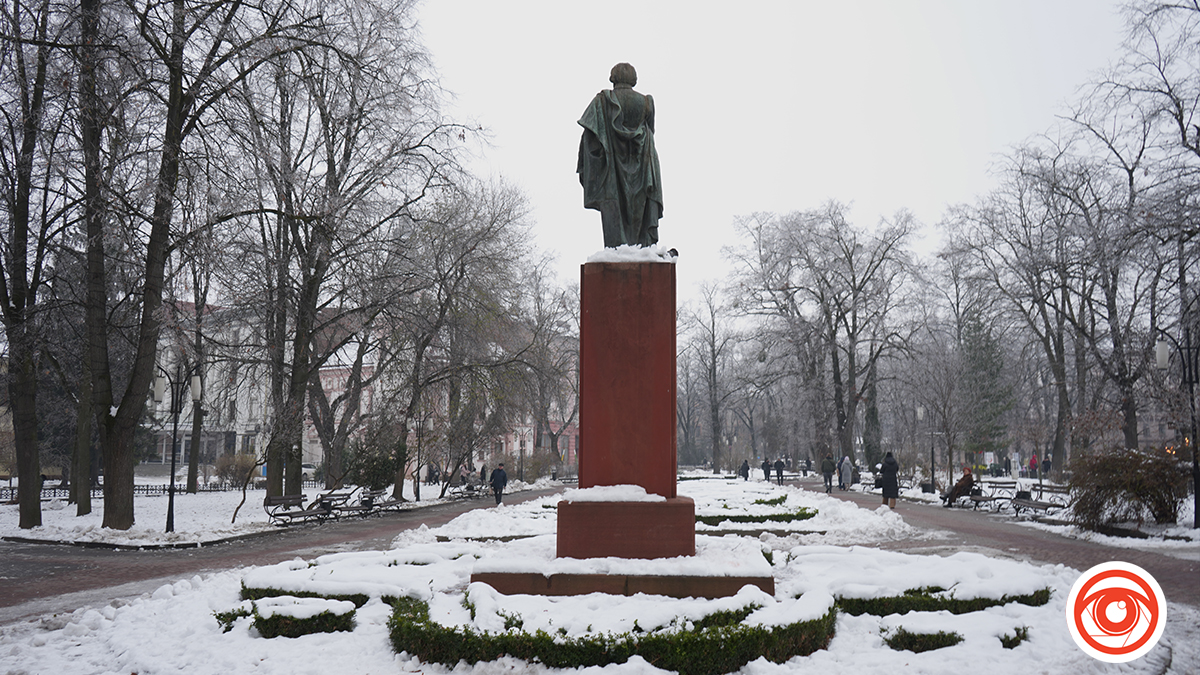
<point x="1124" y="485"/>
<point x="289" y="616"/>
<point x="800" y="514"/>
<point x="933" y="600"/>
<point x="359" y="599"/>
<point x="903" y="640"/>
<point x="1011" y="641"/>
<point x="717" y="644"/>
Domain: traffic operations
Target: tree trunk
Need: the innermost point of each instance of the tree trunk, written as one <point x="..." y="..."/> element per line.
<point x="81" y="476"/>
<point x="22" y="389"/>
<point x="193" y="475"/>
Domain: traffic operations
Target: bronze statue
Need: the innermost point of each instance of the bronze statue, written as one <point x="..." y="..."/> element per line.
<point x="618" y="165"/>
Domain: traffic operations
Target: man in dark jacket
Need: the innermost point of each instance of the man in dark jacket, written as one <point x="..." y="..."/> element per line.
<point x="766" y="467"/>
<point x="828" y="466"/>
<point x="498" y="480"/>
<point x="779" y="465"/>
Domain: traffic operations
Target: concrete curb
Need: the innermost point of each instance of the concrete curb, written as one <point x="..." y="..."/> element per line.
<point x="141" y="547"/>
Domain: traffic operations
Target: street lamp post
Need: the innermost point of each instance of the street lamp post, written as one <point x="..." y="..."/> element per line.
<point x="1188" y="357"/>
<point x="177" y="385"/>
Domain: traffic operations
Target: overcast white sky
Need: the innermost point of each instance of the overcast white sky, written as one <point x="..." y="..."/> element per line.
<point x="766" y="105"/>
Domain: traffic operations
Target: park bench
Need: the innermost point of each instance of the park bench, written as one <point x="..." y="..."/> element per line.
<point x="465" y="490"/>
<point x="336" y="501"/>
<point x="287" y="509"/>
<point x="993" y="493"/>
<point x="344" y="504"/>
<point x="375" y="502"/>
<point x="1050" y="498"/>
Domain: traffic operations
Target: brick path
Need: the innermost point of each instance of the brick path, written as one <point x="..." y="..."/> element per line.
<point x="1179" y="574"/>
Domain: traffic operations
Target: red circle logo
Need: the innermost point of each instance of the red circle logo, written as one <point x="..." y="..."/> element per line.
<point x="1116" y="612"/>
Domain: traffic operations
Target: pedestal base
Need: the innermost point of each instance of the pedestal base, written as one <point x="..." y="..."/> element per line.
<point x="665" y="529"/>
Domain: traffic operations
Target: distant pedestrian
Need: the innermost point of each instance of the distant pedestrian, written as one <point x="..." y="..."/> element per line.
<point x="891" y="483"/>
<point x="498" y="480"/>
<point x="744" y="469"/>
<point x="807" y="466"/>
<point x="846" y="473"/>
<point x="766" y="467"/>
<point x="1033" y="466"/>
<point x="1047" y="464"/>
<point x="1007" y="466"/>
<point x="779" y="465"/>
<point x="828" y="467"/>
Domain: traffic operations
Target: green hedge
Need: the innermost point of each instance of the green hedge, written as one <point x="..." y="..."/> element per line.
<point x="287" y="626"/>
<point x="799" y="514"/>
<point x="923" y="600"/>
<point x="921" y="642"/>
<point x="705" y="651"/>
<point x="359" y="599"/>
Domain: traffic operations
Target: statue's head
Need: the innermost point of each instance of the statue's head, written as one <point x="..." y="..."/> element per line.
<point x="623" y="73"/>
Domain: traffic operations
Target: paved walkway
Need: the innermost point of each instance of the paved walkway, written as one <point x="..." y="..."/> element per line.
<point x="37" y="579"/>
<point x="960" y="529"/>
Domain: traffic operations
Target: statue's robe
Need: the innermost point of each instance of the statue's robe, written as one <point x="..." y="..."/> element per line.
<point x="618" y="167"/>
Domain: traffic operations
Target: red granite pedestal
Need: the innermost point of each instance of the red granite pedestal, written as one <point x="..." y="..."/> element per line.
<point x="626" y="437"/>
<point x="664" y="529"/>
<point x="627" y="417"/>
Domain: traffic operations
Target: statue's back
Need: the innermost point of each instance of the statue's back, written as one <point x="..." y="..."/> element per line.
<point x="633" y="107"/>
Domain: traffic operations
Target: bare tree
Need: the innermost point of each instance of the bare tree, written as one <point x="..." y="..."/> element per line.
<point x="33" y="106"/>
<point x="552" y="359"/>
<point x="816" y="269"/>
<point x="713" y="343"/>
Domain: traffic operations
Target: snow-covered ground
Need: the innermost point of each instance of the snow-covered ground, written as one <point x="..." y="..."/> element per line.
<point x="173" y="629"/>
<point x="202" y="517"/>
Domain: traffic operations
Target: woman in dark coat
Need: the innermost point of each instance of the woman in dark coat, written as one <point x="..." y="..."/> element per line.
<point x="891" y="484"/>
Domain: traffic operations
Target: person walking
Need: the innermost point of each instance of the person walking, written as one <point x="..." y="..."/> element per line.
<point x="766" y="467"/>
<point x="1033" y="466"/>
<point x="498" y="480"/>
<point x="744" y="469"/>
<point x="891" y="482"/>
<point x="846" y="476"/>
<point x="779" y="465"/>
<point x="828" y="466"/>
